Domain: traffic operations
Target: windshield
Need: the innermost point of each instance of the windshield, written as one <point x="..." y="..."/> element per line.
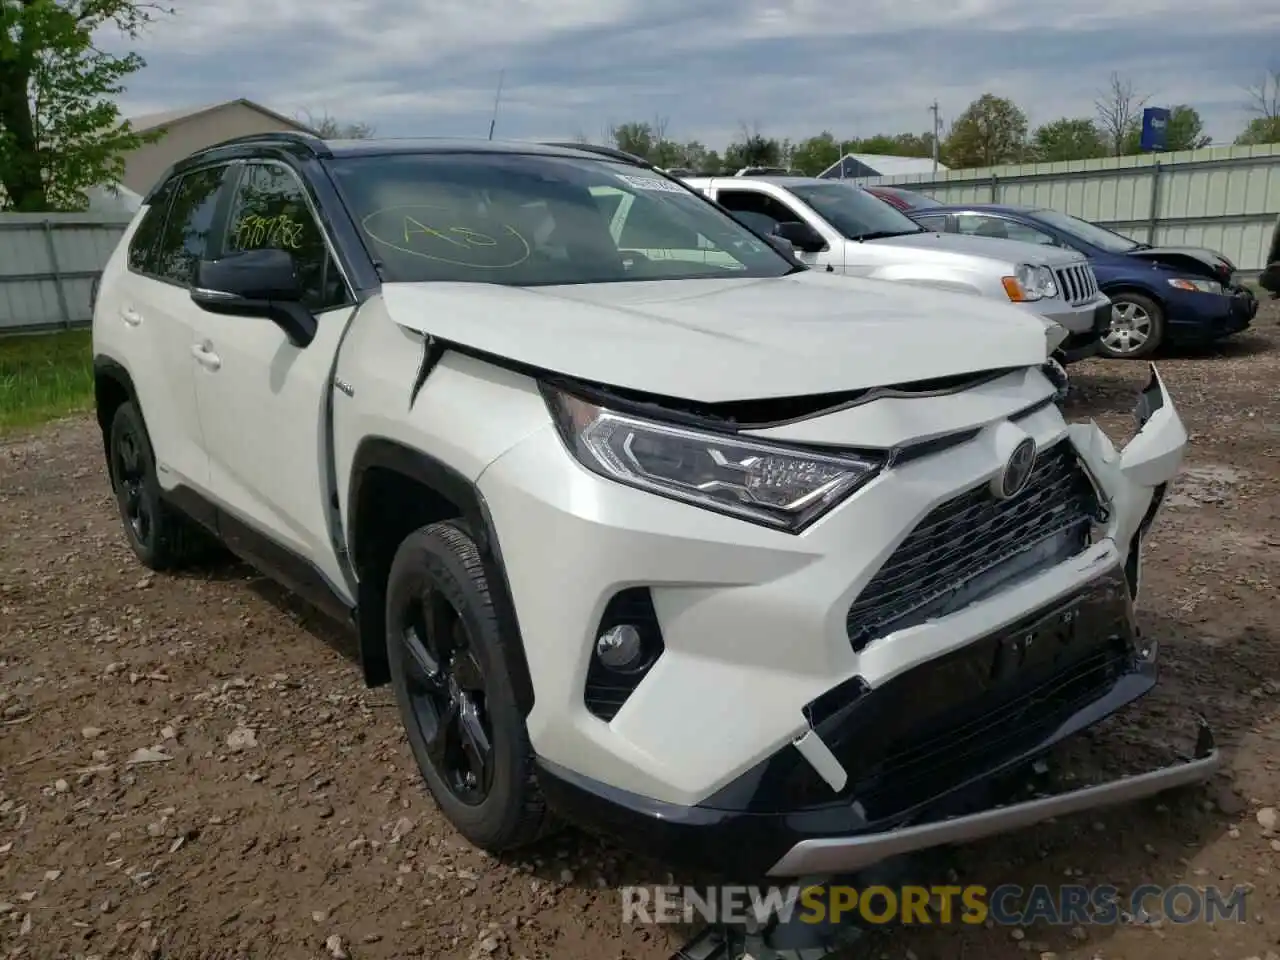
<point x="527" y="220"/>
<point x="857" y="214"/>
<point x="1088" y="232"/>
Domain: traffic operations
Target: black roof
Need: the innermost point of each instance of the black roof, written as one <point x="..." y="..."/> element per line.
<point x="316" y="147"/>
<point x="309" y="146"/>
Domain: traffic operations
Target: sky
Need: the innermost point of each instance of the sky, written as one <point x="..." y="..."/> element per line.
<point x="707" y="68"/>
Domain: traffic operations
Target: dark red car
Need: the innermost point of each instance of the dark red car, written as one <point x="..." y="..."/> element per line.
<point x="904" y="200"/>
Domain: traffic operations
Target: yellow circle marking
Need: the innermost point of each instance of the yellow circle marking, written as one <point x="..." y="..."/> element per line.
<point x="462" y="238"/>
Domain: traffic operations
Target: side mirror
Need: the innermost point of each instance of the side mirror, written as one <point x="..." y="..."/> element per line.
<point x="783" y="244"/>
<point x="801" y="235"/>
<point x="256" y="283"/>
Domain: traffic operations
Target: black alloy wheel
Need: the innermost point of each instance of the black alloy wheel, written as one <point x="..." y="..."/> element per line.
<point x="450" y="668"/>
<point x="129" y="468"/>
<point x="446" y="687"/>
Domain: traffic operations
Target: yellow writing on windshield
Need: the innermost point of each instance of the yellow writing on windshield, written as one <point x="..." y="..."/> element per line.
<point x="279" y="231"/>
<point x="458" y="236"/>
<point x="410" y="230"/>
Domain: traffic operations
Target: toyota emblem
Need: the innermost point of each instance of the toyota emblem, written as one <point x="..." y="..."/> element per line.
<point x="1018" y="469"/>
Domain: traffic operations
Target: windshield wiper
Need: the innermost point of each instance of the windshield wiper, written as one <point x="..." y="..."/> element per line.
<point x="885" y="234"/>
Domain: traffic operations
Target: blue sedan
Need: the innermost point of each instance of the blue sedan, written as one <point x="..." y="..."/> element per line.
<point x="1173" y="295"/>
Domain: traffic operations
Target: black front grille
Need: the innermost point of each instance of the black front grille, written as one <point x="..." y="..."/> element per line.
<point x="967" y="548"/>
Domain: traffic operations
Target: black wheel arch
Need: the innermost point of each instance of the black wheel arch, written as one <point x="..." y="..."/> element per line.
<point x="112" y="387"/>
<point x="427" y="490"/>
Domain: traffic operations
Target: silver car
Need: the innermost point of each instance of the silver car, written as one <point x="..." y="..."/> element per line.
<point x="845" y="229"/>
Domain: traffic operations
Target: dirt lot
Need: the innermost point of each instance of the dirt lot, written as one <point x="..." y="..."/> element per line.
<point x="277" y="807"/>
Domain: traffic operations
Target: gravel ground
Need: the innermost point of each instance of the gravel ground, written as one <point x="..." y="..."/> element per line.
<point x="190" y="767"/>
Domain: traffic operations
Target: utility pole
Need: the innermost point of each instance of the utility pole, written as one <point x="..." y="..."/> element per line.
<point x="496" y="100"/>
<point x="937" y="130"/>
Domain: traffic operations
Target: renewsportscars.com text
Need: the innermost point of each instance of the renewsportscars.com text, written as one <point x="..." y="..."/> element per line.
<point x="1008" y="904"/>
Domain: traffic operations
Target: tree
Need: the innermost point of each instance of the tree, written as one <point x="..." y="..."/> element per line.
<point x="1070" y="138"/>
<point x="634" y="137"/>
<point x="1119" y="114"/>
<point x="1185" y="131"/>
<point x="60" y="130"/>
<point x="1264" y="100"/>
<point x="647" y="140"/>
<point x="330" y="128"/>
<point x="1259" y="131"/>
<point x="753" y="149"/>
<point x="991" y="131"/>
<point x="695" y="156"/>
<point x="896" y="145"/>
<point x="816" y="154"/>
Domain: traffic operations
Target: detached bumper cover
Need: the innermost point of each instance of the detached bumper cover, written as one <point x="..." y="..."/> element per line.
<point x="926" y="759"/>
<point x="849" y="854"/>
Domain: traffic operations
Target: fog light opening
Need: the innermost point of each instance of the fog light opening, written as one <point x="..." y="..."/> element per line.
<point x="620" y="648"/>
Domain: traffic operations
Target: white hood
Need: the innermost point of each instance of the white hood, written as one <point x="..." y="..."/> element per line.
<point x="728" y="339"/>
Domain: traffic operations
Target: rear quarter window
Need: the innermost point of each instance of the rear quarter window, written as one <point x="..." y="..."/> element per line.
<point x="142" y="244"/>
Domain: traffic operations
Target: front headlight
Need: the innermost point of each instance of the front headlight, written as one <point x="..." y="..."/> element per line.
<point x="1196" y="285"/>
<point x="781" y="487"/>
<point x="1029" y="283"/>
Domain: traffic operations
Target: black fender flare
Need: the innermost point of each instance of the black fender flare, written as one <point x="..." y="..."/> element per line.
<point x="105" y="368"/>
<point x="439" y="477"/>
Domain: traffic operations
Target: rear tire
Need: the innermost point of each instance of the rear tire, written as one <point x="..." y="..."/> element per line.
<point x="161" y="537"/>
<point x="1136" y="330"/>
<point x="451" y="679"/>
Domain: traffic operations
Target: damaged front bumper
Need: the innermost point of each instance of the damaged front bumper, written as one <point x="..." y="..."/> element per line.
<point x="833" y="855"/>
<point x="922" y="759"/>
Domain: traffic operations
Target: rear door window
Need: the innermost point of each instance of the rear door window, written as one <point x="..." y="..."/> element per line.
<point x="188" y="234"/>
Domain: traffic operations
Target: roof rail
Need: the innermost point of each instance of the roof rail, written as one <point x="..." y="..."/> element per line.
<point x="314" y="144"/>
<point x="612" y="152"/>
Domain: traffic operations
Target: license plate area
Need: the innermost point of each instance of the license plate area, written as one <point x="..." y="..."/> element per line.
<point x="930" y="728"/>
<point x="1047" y="644"/>
<point x="990" y="675"/>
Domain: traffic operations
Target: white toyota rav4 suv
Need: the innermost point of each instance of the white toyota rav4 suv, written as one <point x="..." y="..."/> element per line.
<point x="650" y="526"/>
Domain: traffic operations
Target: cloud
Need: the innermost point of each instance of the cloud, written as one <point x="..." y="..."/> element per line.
<point x="792" y="67"/>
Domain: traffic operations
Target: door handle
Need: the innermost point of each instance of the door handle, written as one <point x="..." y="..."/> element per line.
<point x="130" y="316"/>
<point x="206" y="357"/>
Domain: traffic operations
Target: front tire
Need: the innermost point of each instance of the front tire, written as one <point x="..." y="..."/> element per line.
<point x="1136" y="330"/>
<point x="453" y="685"/>
<point x="160" y="537"/>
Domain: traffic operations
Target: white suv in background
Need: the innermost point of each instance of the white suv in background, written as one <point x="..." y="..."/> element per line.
<point x="649" y="525"/>
<point x="842" y="228"/>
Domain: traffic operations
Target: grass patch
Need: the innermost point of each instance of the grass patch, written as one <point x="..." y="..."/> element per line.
<point x="44" y="376"/>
